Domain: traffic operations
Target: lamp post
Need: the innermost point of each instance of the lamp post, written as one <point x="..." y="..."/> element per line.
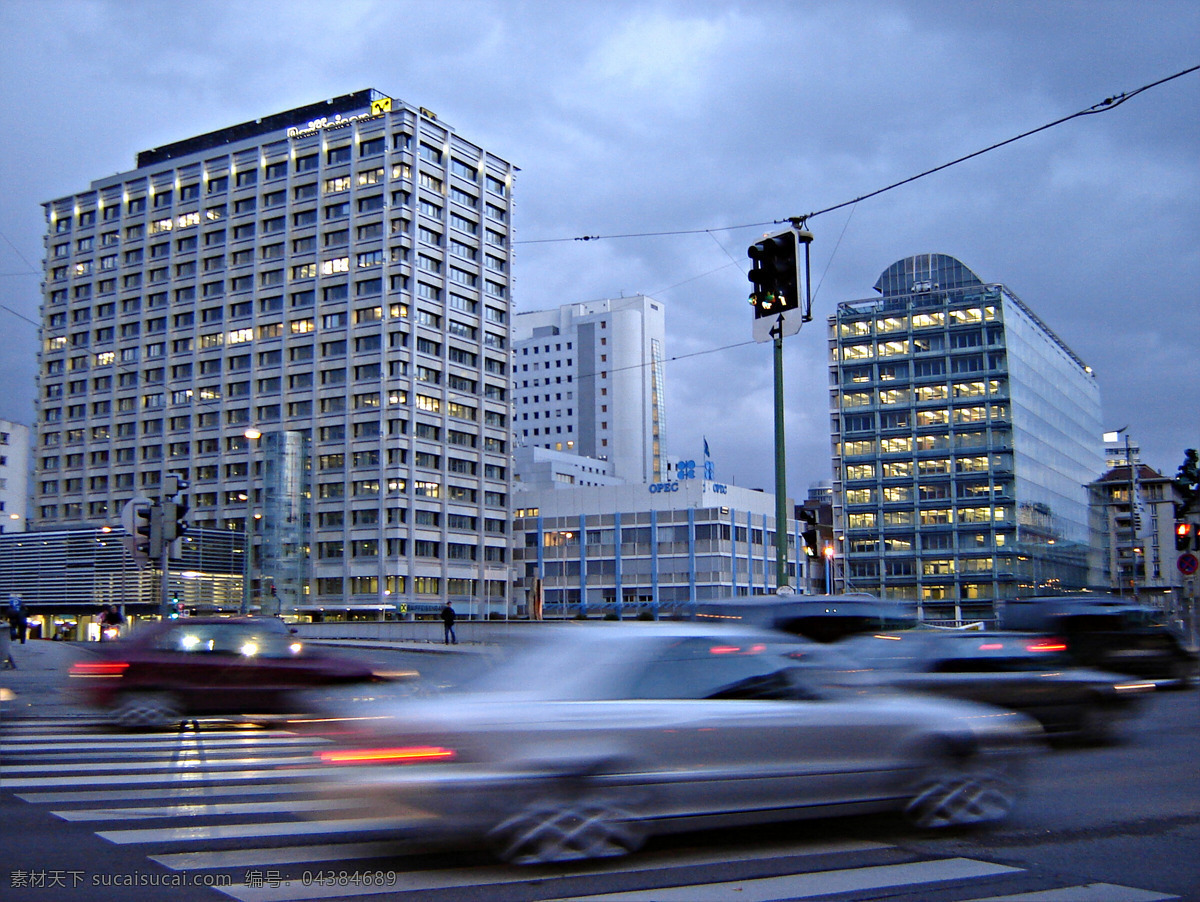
<point x="564" y="539"/>
<point x="829" y="569"/>
<point x="252" y="435"/>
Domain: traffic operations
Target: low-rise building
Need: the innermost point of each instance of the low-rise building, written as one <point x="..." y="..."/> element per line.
<point x="649" y="549"/>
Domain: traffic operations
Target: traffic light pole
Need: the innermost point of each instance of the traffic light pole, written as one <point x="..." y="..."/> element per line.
<point x="779" y="309"/>
<point x="164" y="568"/>
<point x="781" y="511"/>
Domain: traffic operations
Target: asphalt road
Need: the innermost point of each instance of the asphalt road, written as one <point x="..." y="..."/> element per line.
<point x="91" y="814"/>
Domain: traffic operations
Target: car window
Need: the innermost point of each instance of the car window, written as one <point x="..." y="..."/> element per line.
<point x="227" y="639"/>
<point x="708" y="669"/>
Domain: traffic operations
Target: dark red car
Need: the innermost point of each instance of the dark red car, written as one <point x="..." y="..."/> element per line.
<point x="175" y="669"/>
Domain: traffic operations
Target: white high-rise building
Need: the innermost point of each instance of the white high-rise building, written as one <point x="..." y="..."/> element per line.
<point x="14" y="475"/>
<point x="588" y="379"/>
<point x="334" y="279"/>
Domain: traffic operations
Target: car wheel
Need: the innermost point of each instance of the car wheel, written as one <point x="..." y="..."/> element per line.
<point x="958" y="792"/>
<point x="548" y="832"/>
<point x="147" y="710"/>
<point x="1182" y="673"/>
<point x="1099" y="725"/>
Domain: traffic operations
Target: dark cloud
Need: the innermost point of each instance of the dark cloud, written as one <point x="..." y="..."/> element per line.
<point x="634" y="117"/>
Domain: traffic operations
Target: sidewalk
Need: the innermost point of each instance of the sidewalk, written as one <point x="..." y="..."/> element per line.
<point x="40" y="681"/>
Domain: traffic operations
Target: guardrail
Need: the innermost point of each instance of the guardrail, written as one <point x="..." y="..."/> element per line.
<point x="430" y="631"/>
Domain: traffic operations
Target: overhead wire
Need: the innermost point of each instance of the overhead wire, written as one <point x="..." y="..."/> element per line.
<point x="1104" y="106"/>
<point x="1109" y="103"/>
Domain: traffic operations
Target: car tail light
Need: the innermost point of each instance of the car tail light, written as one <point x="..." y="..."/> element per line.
<point x="406" y="755"/>
<point x="737" y="650"/>
<point x="1046" y="645"/>
<point x="99" y="669"/>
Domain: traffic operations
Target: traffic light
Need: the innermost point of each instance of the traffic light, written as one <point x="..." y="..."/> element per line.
<point x="811" y="542"/>
<point x="1185" y="536"/>
<point x="173" y="514"/>
<point x="141" y="531"/>
<point x="775" y="274"/>
<point x="174" y="508"/>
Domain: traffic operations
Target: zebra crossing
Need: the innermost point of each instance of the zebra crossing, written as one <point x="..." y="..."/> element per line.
<point x="241" y="807"/>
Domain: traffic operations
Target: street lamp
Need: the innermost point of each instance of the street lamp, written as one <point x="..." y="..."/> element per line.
<point x="252" y="435"/>
<point x="828" y="552"/>
<point x="564" y="539"/>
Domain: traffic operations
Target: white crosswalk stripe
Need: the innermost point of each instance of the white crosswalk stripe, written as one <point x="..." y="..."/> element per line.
<point x="242" y="804"/>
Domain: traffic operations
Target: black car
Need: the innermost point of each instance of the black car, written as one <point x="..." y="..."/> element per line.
<point x="1109" y="633"/>
<point x="1018" y="671"/>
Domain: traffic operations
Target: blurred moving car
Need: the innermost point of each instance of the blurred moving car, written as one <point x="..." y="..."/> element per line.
<point x="1108" y="632"/>
<point x="822" y="618"/>
<point x="599" y="734"/>
<point x="1020" y="671"/>
<point x="166" y="671"/>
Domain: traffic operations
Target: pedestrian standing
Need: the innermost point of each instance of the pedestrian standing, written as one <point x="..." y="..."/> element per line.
<point x="6" y="649"/>
<point x="448" y="618"/>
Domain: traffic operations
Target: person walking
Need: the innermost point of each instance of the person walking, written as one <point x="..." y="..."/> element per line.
<point x="111" y="622"/>
<point x="448" y="618"/>
<point x="18" y="620"/>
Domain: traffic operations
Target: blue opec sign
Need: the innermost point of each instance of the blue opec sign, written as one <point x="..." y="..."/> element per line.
<point x="686" y="469"/>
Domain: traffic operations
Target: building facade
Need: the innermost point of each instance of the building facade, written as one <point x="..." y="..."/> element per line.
<point x="588" y="379"/>
<point x="341" y="272"/>
<point x="542" y="469"/>
<point x="653" y="549"/>
<point x="14" y="475"/>
<point x="65" y="576"/>
<point x="1134" y="554"/>
<point x="964" y="433"/>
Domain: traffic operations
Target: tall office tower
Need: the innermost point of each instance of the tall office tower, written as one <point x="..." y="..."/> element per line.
<point x="307" y="316"/>
<point x="964" y="433"/>
<point x="588" y="380"/>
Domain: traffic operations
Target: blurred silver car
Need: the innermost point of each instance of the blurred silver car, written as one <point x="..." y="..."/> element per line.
<point x="585" y="742"/>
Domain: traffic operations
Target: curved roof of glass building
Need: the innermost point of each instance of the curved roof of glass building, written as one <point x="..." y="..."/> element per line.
<point x="925" y="272"/>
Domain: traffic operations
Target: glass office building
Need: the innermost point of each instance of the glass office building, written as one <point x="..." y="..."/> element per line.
<point x="964" y="432"/>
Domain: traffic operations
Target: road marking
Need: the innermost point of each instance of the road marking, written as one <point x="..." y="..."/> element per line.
<point x="201" y="809"/>
<point x="42" y="744"/>
<point x="183" y="776"/>
<point x="98" y="771"/>
<point x="1092" y="892"/>
<point x="807" y="886"/>
<point x="199" y="861"/>
<point x="241" y="831"/>
<point x="496" y="875"/>
<point x="178" y="793"/>
<point x="233" y="858"/>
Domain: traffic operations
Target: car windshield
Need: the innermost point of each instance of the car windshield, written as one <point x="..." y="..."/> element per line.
<point x="569" y="667"/>
<point x="248" y="640"/>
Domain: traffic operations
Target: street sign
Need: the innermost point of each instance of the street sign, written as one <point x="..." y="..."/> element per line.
<point x="789" y="321"/>
<point x="1188" y="563"/>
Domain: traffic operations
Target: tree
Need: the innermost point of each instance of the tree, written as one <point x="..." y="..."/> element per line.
<point x="1187" y="480"/>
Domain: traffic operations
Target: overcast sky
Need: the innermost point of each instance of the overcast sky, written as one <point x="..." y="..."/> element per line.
<point x="709" y="118"/>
